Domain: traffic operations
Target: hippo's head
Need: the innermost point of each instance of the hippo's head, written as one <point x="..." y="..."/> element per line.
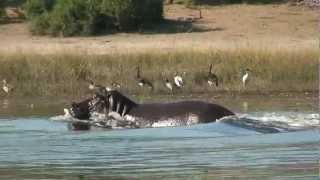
<point x="84" y="109"/>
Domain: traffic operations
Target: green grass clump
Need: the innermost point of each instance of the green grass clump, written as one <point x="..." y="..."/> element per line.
<point x="68" y="74"/>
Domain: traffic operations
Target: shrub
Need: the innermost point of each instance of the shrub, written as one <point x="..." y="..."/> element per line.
<point x="14" y="3"/>
<point x="97" y="22"/>
<point x="88" y="17"/>
<point x="152" y="11"/>
<point x="2" y="11"/>
<point x="198" y="2"/>
<point x="35" y="8"/>
<point x="129" y="14"/>
<point x="68" y="17"/>
<point x="40" y="24"/>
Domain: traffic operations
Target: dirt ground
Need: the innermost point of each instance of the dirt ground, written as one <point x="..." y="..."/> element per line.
<point x="221" y="27"/>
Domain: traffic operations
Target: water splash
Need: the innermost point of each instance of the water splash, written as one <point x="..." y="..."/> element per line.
<point x="264" y="122"/>
<point x="293" y="119"/>
<point x="273" y="122"/>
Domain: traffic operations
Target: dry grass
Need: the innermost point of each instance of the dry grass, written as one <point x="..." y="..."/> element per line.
<point x="278" y="42"/>
<point x="68" y="74"/>
<point x="222" y="27"/>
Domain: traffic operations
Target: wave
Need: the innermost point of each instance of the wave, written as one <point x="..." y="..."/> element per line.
<point x="263" y="122"/>
<point x="273" y="122"/>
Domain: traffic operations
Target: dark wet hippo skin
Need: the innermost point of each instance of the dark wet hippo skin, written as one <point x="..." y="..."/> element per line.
<point x="81" y="110"/>
<point x="151" y="114"/>
<point x="186" y="112"/>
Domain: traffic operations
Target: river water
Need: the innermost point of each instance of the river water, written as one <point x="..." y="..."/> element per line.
<point x="273" y="138"/>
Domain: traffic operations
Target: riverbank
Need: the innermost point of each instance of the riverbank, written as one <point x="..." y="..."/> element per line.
<point x="68" y="74"/>
<point x="278" y="43"/>
<point x="224" y="27"/>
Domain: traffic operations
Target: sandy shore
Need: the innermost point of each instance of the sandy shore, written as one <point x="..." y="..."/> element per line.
<point x="222" y="27"/>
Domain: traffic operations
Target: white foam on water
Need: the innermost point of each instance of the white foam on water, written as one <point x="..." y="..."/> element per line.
<point x="280" y="121"/>
<point x="166" y="123"/>
<point x="97" y="116"/>
<point x="292" y="119"/>
<point x="65" y="117"/>
<point x="172" y="122"/>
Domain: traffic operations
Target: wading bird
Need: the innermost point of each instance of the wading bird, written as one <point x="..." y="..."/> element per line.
<point x="142" y="82"/>
<point x="7" y="88"/>
<point x="245" y="77"/>
<point x="178" y="81"/>
<point x="168" y="84"/>
<point x="115" y="85"/>
<point x="98" y="88"/>
<point x="212" y="78"/>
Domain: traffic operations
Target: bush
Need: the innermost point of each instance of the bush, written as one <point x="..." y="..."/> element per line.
<point x="199" y="2"/>
<point x="40" y="24"/>
<point x="129" y="14"/>
<point x="2" y="4"/>
<point x="35" y="8"/>
<point x="2" y="11"/>
<point x="152" y="11"/>
<point x="14" y="3"/>
<point x="89" y="17"/>
<point x="68" y="18"/>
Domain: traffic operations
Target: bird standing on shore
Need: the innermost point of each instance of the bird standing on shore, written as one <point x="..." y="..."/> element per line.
<point x="98" y="88"/>
<point x="178" y="81"/>
<point x="245" y="77"/>
<point x="93" y="86"/>
<point x="7" y="88"/>
<point x="212" y="78"/>
<point x="168" y="84"/>
<point x="115" y="85"/>
<point x="142" y="82"/>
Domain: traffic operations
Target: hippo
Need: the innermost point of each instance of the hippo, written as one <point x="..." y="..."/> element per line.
<point x="125" y="112"/>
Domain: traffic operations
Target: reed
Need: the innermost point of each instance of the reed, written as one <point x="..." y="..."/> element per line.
<point x="67" y="74"/>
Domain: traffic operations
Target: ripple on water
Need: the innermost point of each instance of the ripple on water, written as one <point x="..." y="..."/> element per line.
<point x="41" y="148"/>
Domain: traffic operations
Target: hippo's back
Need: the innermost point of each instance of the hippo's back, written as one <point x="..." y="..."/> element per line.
<point x="203" y="111"/>
<point x="214" y="112"/>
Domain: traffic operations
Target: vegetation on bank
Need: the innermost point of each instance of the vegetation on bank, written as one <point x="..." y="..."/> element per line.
<point x="68" y="74"/>
<point x="87" y="17"/>
<point x="210" y="2"/>
<point x="2" y="11"/>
